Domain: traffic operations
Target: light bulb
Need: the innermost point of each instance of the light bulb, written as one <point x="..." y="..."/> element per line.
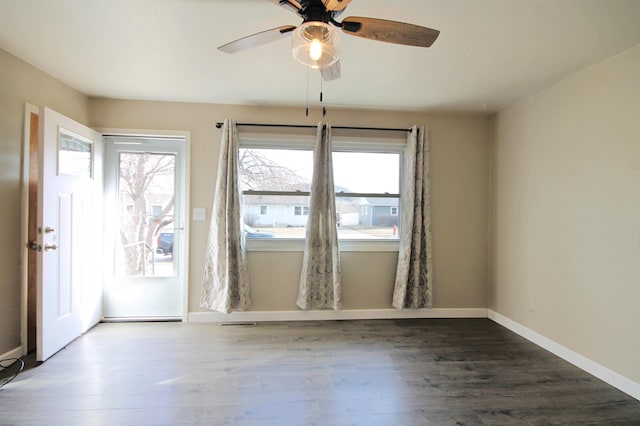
<point x="315" y="50"/>
<point x="315" y="44"/>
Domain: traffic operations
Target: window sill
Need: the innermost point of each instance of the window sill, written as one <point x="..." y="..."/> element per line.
<point x="297" y="245"/>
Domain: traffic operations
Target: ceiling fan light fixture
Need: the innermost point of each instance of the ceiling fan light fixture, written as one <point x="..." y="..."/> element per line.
<point x="315" y="44"/>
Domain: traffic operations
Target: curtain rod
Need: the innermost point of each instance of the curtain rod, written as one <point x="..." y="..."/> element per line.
<point x="305" y="126"/>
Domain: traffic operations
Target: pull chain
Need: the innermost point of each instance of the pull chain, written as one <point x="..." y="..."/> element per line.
<point x="307" y="109"/>
<point x="324" y="110"/>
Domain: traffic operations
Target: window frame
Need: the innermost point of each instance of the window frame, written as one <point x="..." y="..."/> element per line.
<point x="368" y="142"/>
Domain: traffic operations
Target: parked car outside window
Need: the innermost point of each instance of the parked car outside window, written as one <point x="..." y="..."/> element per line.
<point x="249" y="232"/>
<point x="165" y="243"/>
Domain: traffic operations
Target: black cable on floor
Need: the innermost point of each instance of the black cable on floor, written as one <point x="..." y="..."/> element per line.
<point x="3" y="367"/>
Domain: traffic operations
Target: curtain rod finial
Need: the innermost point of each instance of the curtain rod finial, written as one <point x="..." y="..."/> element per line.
<point x="218" y="125"/>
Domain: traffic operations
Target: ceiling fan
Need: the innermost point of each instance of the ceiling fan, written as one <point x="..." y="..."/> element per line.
<point x="315" y="42"/>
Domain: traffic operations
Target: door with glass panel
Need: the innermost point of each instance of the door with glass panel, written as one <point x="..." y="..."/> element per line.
<point x="144" y="195"/>
<point x="68" y="243"/>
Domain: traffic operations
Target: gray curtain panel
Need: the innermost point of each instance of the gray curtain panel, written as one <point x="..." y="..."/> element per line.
<point x="414" y="275"/>
<point x="320" y="286"/>
<point x="226" y="279"/>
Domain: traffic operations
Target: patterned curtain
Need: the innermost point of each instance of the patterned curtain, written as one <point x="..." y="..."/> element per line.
<point x="320" y="286"/>
<point x="226" y="279"/>
<point x="414" y="276"/>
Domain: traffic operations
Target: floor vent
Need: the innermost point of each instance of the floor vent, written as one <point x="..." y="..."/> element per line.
<point x="239" y="323"/>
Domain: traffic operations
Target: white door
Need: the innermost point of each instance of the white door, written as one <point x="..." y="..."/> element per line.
<point x="69" y="281"/>
<point x="144" y="199"/>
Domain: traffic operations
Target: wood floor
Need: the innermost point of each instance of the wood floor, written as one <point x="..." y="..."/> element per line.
<point x="405" y="372"/>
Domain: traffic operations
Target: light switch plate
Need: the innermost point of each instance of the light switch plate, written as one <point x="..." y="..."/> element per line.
<point x="199" y="213"/>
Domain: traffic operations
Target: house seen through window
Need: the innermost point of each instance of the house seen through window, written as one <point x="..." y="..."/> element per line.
<point x="276" y="184"/>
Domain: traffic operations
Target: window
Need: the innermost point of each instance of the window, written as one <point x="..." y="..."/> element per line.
<point x="75" y="155"/>
<point x="281" y="179"/>
<point x="156" y="210"/>
<point x="367" y="187"/>
<point x="301" y="210"/>
<point x="146" y="185"/>
<point x="367" y="182"/>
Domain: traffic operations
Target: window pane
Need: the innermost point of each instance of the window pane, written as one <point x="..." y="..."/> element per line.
<point x="276" y="169"/>
<point x="146" y="194"/>
<point x="74" y="155"/>
<point x="366" y="172"/>
<point x="373" y="173"/>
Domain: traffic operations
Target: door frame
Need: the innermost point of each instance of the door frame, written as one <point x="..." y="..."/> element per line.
<point x="24" y="224"/>
<point x="24" y="216"/>
<point x="108" y="131"/>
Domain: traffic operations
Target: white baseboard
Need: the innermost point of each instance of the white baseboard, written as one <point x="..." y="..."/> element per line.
<point x="353" y="314"/>
<point x="13" y="353"/>
<point x="617" y="380"/>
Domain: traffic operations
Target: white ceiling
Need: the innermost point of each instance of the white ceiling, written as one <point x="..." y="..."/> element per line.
<point x="489" y="53"/>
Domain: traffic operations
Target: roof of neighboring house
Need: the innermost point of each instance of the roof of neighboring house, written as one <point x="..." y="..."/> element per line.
<point x="379" y="201"/>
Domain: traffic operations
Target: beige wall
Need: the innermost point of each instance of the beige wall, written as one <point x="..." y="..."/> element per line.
<point x="460" y="174"/>
<point x="566" y="213"/>
<point x="20" y="83"/>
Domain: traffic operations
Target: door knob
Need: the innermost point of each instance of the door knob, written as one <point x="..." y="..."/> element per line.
<point x="33" y="245"/>
<point x="49" y="247"/>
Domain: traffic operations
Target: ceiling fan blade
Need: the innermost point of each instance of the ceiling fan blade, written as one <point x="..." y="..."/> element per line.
<point x="336" y="5"/>
<point x="292" y="5"/>
<point x="389" y="31"/>
<point x="257" y="39"/>
<point x="331" y="72"/>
